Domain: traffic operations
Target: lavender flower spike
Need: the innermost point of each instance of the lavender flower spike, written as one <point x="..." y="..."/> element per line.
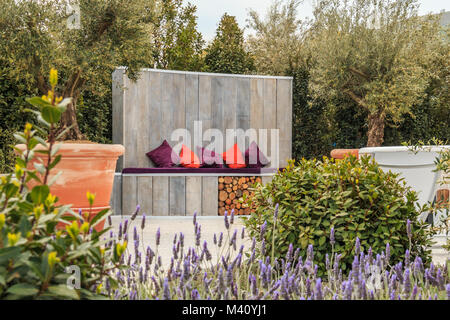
<point x="408" y="228"/>
<point x="318" y="294"/>
<point x="357" y="246"/>
<point x="232" y="216"/>
<point x="332" y="240"/>
<point x="158" y="237"/>
<point x="448" y="291"/>
<point x="166" y="290"/>
<point x="388" y="252"/>
<point x="194" y="219"/>
<point x="143" y="222"/>
<point x="263" y="229"/>
<point x="227" y="224"/>
<point x="275" y="214"/>
<point x="138" y="208"/>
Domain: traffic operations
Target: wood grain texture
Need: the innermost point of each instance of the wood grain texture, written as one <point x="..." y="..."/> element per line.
<point x="209" y="198"/>
<point x="192" y="105"/>
<point x="177" y="196"/>
<point x="205" y="102"/>
<point x="257" y="103"/>
<point x="160" y="187"/>
<point x="284" y="119"/>
<point x="145" y="194"/>
<point x="194" y="195"/>
<point x="243" y="103"/>
<point x="217" y="107"/>
<point x="155" y="125"/>
<point x="117" y="111"/>
<point x="129" y="194"/>
<point x="142" y="119"/>
<point x="116" y="196"/>
<point x="229" y="98"/>
<point x="130" y="124"/>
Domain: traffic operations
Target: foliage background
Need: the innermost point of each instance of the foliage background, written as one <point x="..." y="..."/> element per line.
<point x="277" y="47"/>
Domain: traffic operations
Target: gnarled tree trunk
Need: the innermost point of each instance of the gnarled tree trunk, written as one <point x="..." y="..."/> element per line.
<point x="375" y="133"/>
<point x="69" y="118"/>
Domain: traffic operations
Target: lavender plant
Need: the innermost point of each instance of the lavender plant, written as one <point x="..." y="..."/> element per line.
<point x="239" y="273"/>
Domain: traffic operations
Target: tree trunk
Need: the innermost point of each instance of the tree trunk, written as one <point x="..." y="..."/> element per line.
<point x="69" y="118"/>
<point x="375" y="133"/>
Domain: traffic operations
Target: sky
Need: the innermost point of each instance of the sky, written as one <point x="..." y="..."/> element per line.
<point x="209" y="12"/>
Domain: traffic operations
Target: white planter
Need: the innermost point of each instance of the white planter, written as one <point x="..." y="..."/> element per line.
<point x="416" y="168"/>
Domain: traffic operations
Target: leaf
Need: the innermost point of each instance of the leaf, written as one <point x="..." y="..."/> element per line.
<point x="8" y="253"/>
<point x="39" y="194"/>
<point x="51" y="114"/>
<point x="38" y="102"/>
<point x="23" y="290"/>
<point x="322" y="240"/>
<point x="63" y="291"/>
<point x="55" y="162"/>
<point x="99" y="217"/>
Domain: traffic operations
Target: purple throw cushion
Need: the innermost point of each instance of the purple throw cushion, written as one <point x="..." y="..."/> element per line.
<point x="209" y="159"/>
<point x="164" y="156"/>
<point x="254" y="158"/>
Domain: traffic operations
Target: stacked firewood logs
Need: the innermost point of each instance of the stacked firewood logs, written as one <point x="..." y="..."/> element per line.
<point x="231" y="190"/>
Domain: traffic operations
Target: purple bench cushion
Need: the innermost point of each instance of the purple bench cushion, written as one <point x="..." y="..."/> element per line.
<point x="181" y="170"/>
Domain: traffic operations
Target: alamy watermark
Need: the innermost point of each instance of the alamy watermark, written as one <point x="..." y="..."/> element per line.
<point x="74" y="15"/>
<point x="218" y="142"/>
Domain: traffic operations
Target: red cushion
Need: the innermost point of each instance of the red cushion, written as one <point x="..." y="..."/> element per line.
<point x="233" y="157"/>
<point x="188" y="158"/>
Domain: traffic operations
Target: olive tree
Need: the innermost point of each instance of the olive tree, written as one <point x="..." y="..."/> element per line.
<point x="378" y="53"/>
<point x="277" y="39"/>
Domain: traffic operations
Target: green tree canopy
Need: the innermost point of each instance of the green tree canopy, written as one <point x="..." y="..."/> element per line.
<point x="177" y="44"/>
<point x="379" y="53"/>
<point x="34" y="36"/>
<point x="277" y="39"/>
<point x="227" y="52"/>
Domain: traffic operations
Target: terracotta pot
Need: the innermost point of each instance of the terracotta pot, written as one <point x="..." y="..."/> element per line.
<point x="342" y="153"/>
<point x="85" y="167"/>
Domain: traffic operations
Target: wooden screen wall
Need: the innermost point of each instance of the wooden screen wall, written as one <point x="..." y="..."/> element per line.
<point x="146" y="112"/>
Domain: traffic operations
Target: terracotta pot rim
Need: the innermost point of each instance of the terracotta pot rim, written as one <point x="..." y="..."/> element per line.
<point x="76" y="150"/>
<point x="342" y="153"/>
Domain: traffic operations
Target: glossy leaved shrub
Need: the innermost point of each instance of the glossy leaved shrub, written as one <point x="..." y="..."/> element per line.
<point x="353" y="197"/>
<point x="47" y="251"/>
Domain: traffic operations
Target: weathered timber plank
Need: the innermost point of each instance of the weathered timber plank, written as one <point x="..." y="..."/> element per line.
<point x="217" y="108"/>
<point x="145" y="194"/>
<point x="257" y="103"/>
<point x="284" y="119"/>
<point x="193" y="195"/>
<point x="177" y="196"/>
<point x="129" y="194"/>
<point x="160" y="187"/>
<point x="243" y="103"/>
<point x="155" y="124"/>
<point x="192" y="106"/>
<point x="116" y="196"/>
<point x="229" y="103"/>
<point x="130" y="115"/>
<point x="141" y="120"/>
<point x="209" y="196"/>
<point x="205" y="102"/>
<point x="117" y="111"/>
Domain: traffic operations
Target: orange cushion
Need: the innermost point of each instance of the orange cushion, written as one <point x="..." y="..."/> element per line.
<point x="188" y="158"/>
<point x="233" y="157"/>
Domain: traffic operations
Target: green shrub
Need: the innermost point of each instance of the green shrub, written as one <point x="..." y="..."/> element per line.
<point x="34" y="251"/>
<point x="353" y="196"/>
